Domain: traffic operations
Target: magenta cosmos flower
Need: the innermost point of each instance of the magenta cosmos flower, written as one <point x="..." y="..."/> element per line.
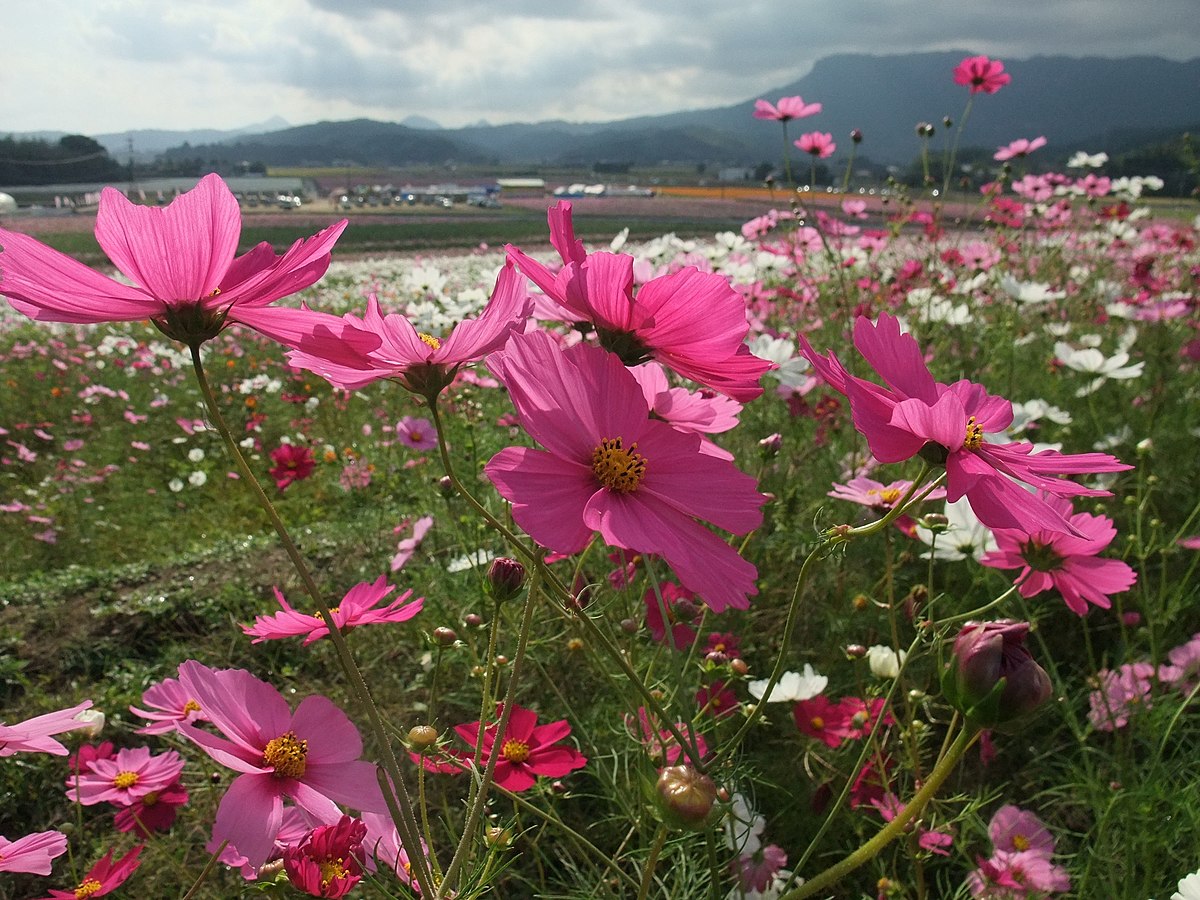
<point x="181" y="260"/>
<point x="292" y="463"/>
<point x="1016" y="830"/>
<point x="168" y="703"/>
<point x="946" y="424"/>
<point x="690" y="321"/>
<point x="981" y="75"/>
<point x="609" y="467"/>
<point x="328" y="861"/>
<point x="786" y="109"/>
<point x="310" y="756"/>
<point x="32" y="853"/>
<point x="103" y="878"/>
<point x="126" y="777"/>
<point x="358" y="607"/>
<point x="1067" y="563"/>
<point x="33" y="735"/>
<point x="819" y="143"/>
<point x="422" y="363"/>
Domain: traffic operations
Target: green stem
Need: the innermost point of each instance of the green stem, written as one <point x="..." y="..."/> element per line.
<point x="660" y="839"/>
<point x="206" y="871"/>
<point x="406" y="824"/>
<point x="894" y="828"/>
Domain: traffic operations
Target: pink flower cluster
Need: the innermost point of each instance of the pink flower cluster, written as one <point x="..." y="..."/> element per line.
<point x="1120" y="693"/>
<point x="1021" y="861"/>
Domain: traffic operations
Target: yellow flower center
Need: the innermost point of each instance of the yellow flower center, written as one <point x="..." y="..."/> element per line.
<point x="125" y="780"/>
<point x="974" y="436"/>
<point x="515" y="751"/>
<point x="287" y="754"/>
<point x="618" y="469"/>
<point x="334" y="610"/>
<point x="330" y="870"/>
<point x="87" y="888"/>
<point x="150" y="799"/>
<point x="817" y="722"/>
<point x="429" y="339"/>
<point x="190" y="707"/>
<point x="890" y="495"/>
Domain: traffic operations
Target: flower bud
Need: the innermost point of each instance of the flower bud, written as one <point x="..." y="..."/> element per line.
<point x="856" y="135"/>
<point x="444" y="637"/>
<point x="506" y="577"/>
<point x="991" y="678"/>
<point x="687" y="796"/>
<point x="422" y="737"/>
<point x="473" y="620"/>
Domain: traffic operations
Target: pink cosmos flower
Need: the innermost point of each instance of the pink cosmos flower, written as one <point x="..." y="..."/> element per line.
<point x="384" y="850"/>
<point x="103" y="878"/>
<point x="123" y="779"/>
<point x="824" y="719"/>
<point x="819" y="143"/>
<point x="416" y="434"/>
<point x="932" y="840"/>
<point x="1010" y="875"/>
<point x="422" y="363"/>
<point x="1120" y="695"/>
<point x="661" y="746"/>
<point x="168" y="704"/>
<point x="1185" y="665"/>
<point x="181" y="262"/>
<point x="690" y="321"/>
<point x="1019" y="148"/>
<point x="155" y="811"/>
<point x="310" y="756"/>
<point x="702" y="412"/>
<point x="681" y="633"/>
<point x="609" y="467"/>
<point x="981" y="75"/>
<point x="354" y="609"/>
<point x="786" y="109"/>
<point x="328" y="861"/>
<point x="292" y="463"/>
<point x="946" y="424"/>
<point x="1067" y="563"/>
<point x="881" y="497"/>
<point x="755" y="872"/>
<point x="32" y="853"/>
<point x="33" y="735"/>
<point x="408" y="546"/>
<point x="1016" y="830"/>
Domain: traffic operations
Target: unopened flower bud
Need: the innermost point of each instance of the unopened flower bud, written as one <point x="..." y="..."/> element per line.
<point x="739" y="667"/>
<point x="685" y="610"/>
<point x="444" y="636"/>
<point x="498" y="838"/>
<point x="422" y="737"/>
<point x="629" y="626"/>
<point x="855" y="651"/>
<point x="935" y="522"/>
<point x="991" y="678"/>
<point x="445" y="485"/>
<point x="924" y="129"/>
<point x="687" y="796"/>
<point x="472" y="620"/>
<point x="94" y="719"/>
<point x="771" y="444"/>
<point x="506" y="577"/>
<point x="947" y="121"/>
<point x="856" y="136"/>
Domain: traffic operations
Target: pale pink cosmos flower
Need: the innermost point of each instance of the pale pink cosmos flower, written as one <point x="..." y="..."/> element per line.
<point x="33" y="735"/>
<point x="610" y="468"/>
<point x="914" y="414"/>
<point x="889" y="806"/>
<point x="169" y="703"/>
<point x="690" y="321"/>
<point x="1011" y="875"/>
<point x="981" y="75"/>
<point x="181" y="261"/>
<point x="32" y="853"/>
<point x="422" y="363"/>
<point x="819" y="143"/>
<point x="1019" y="148"/>
<point x="125" y="778"/>
<point x="1016" y="830"/>
<point x="408" y="546"/>
<point x="357" y="607"/>
<point x="1120" y="694"/>
<point x="310" y="756"/>
<point x="882" y="497"/>
<point x="416" y="434"/>
<point x="1067" y="563"/>
<point x="786" y="109"/>
<point x="1185" y="665"/>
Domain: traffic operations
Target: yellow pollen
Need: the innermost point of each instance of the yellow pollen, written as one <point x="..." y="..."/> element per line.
<point x="817" y="722"/>
<point x="190" y="707"/>
<point x="150" y="799"/>
<point x="1020" y="842"/>
<point x="890" y="495"/>
<point x="618" y="469"/>
<point x="429" y="339"/>
<point x="974" y="435"/>
<point x="331" y="869"/>
<point x="87" y="888"/>
<point x="125" y="780"/>
<point x="287" y="754"/>
<point x="515" y="751"/>
<point x="334" y="610"/>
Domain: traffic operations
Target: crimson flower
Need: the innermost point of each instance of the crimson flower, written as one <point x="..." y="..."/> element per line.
<point x="181" y="262"/>
<point x="32" y="853"/>
<point x="981" y="75"/>
<point x="358" y="607"/>
<point x="609" y="467"/>
<point x="152" y="812"/>
<point x="103" y="877"/>
<point x="824" y="719"/>
<point x="690" y="321"/>
<point x="328" y="861"/>
<point x="292" y="463"/>
<point x="662" y="614"/>
<point x="819" y="143"/>
<point x="786" y="109"/>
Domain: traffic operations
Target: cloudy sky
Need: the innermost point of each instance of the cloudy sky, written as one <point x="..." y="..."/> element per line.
<point x="99" y="66"/>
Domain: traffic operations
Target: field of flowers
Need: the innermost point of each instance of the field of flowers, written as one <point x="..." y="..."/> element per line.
<point x="822" y="559"/>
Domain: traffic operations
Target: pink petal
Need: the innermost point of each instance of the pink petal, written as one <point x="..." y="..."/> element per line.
<point x="249" y="817"/>
<point x="548" y="495"/>
<point x="331" y="735"/>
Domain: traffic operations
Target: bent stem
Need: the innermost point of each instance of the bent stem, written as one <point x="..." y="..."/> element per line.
<point x="894" y="828"/>
<point x="406" y="824"/>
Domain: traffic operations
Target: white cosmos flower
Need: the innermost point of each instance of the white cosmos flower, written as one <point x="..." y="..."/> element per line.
<point x="1091" y="361"/>
<point x="1189" y="887"/>
<point x="470" y="561"/>
<point x="195" y="455"/>
<point x="1029" y="291"/>
<point x="965" y="536"/>
<point x="782" y="352"/>
<point x="884" y="661"/>
<point x="175" y="485"/>
<point x="792" y="686"/>
<point x="198" y="478"/>
<point x="1083" y="160"/>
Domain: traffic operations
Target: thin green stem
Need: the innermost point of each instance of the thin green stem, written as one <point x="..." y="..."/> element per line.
<point x="660" y="839"/>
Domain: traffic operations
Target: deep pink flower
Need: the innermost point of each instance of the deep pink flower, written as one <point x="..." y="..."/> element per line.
<point x="416" y="434"/>
<point x="357" y="607"/>
<point x="681" y="633"/>
<point x="310" y="756"/>
<point x="32" y="853"/>
<point x="181" y="261"/>
<point x="824" y="719"/>
<point x="661" y="746"/>
<point x="609" y="467"/>
<point x="104" y="877"/>
<point x="422" y="363"/>
<point x="1011" y="875"/>
<point x="33" y="735"/>
<point x="690" y="321"/>
<point x="702" y="412"/>
<point x="292" y="463"/>
<point x="981" y="75"/>
<point x="932" y="840"/>
<point x="946" y="424"/>
<point x="152" y="812"/>
<point x="328" y="861"/>
<point x="819" y="143"/>
<point x="717" y="699"/>
<point x="126" y="777"/>
<point x="168" y="704"/>
<point x="81" y="760"/>
<point x="786" y="109"/>
<point x="1019" y="148"/>
<point x="1067" y="563"/>
<point x="1016" y="830"/>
